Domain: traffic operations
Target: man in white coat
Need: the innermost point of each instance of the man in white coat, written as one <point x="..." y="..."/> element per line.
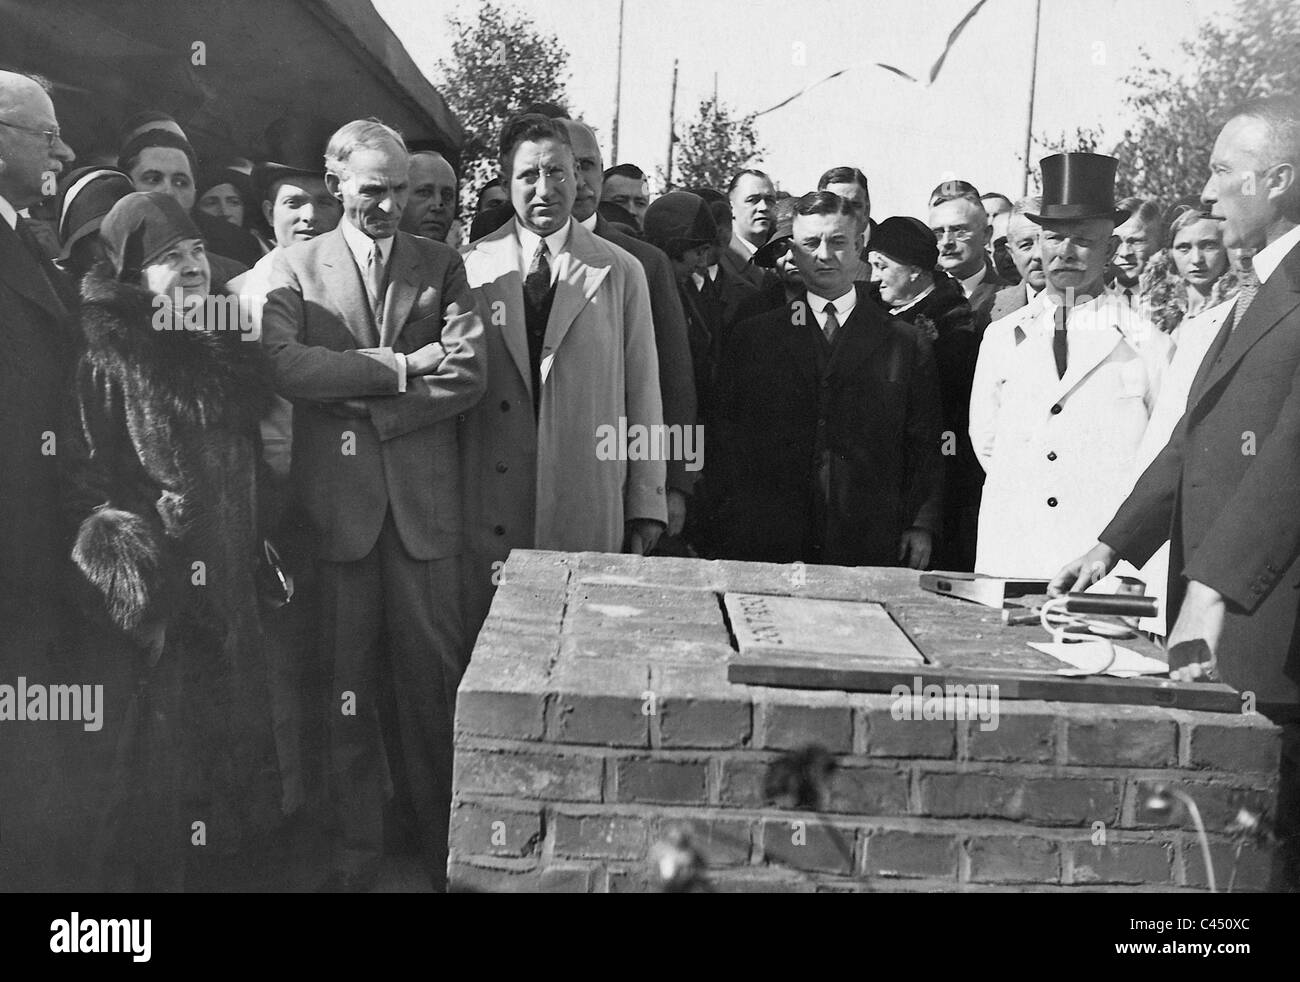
<point x="1063" y="387"/>
<point x="571" y="360"/>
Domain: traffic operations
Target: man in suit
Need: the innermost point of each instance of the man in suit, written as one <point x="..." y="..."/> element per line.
<point x="672" y="344"/>
<point x="625" y="185"/>
<point x="571" y="364"/>
<point x="1231" y="516"/>
<point x="35" y="308"/>
<point x="828" y="447"/>
<point x="753" y="217"/>
<point x="962" y="229"/>
<point x="373" y="334"/>
<point x="851" y="185"/>
<point x="432" y="206"/>
<point x="1022" y="245"/>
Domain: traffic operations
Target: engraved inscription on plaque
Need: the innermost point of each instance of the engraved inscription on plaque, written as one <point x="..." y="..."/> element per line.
<point x="799" y="626"/>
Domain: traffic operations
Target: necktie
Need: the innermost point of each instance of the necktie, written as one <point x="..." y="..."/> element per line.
<point x="1060" y="347"/>
<point x="832" y="322"/>
<point x="28" y="238"/>
<point x="1245" y="296"/>
<point x="375" y="280"/>
<point x="538" y="281"/>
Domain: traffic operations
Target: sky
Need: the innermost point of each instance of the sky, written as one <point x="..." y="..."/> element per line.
<point x="905" y="136"/>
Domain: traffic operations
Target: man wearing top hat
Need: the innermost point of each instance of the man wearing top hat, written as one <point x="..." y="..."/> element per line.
<point x="1063" y="386"/>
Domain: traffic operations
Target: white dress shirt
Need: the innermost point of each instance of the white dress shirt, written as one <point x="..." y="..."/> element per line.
<point x="8" y="213"/>
<point x="698" y="279"/>
<point x="555" y="244"/>
<point x="843" y="307"/>
<point x="360" y="245"/>
<point x="1270" y="257"/>
<point x="970" y="283"/>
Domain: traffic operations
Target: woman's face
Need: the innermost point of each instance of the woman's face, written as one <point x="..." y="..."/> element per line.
<point x="1199" y="254"/>
<point x="183" y="267"/>
<point x="223" y="201"/>
<point x="898" y="281"/>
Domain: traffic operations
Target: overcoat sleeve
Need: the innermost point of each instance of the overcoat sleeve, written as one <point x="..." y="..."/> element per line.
<point x="643" y="495"/>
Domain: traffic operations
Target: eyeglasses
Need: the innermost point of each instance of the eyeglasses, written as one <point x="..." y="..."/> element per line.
<point x="958" y="232"/>
<point x="51" y="135"/>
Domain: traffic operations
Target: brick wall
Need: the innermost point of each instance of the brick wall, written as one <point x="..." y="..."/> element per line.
<point x="596" y="714"/>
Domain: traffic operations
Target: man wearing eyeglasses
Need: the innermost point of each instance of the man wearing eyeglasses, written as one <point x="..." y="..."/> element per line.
<point x="961" y="226"/>
<point x="571" y="356"/>
<point x="35" y="330"/>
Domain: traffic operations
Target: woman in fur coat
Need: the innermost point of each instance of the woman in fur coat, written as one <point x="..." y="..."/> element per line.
<point x="164" y="468"/>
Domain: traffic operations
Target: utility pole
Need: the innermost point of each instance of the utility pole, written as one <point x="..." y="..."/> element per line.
<point x="618" y="89"/>
<point x="1033" y="81"/>
<point x="672" y="115"/>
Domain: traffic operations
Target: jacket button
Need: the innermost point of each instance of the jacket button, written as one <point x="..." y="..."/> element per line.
<point x="499" y="530"/>
<point x="821" y="422"/>
<point x="501" y="467"/>
<point x="1051" y="455"/>
<point x="1056" y="409"/>
<point x="505" y="405"/>
<point x="1051" y="502"/>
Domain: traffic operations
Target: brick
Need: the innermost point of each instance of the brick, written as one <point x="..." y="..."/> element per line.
<point x="600" y="836"/>
<point x="1014" y="859"/>
<point x="868" y="791"/>
<point x="494" y="830"/>
<point x="644" y="649"/>
<point x="698" y="707"/>
<point x="665" y="572"/>
<point x="721" y="841"/>
<point x="662" y="781"/>
<point x="1252" y="867"/>
<point x="533" y="567"/>
<point x="630" y="880"/>
<point x="1124" y="737"/>
<point x="760" y="882"/>
<point x="1238" y="747"/>
<point x="1048" y="801"/>
<point x="480" y="877"/>
<point x="504" y="699"/>
<point x="741" y="782"/>
<point x="1122" y="862"/>
<point x="789" y="720"/>
<point x="552" y="777"/>
<point x="807" y="843"/>
<point x="889" y="737"/>
<point x="600" y="702"/>
<point x="1021" y="735"/>
<point x="566" y="878"/>
<point x="1217" y="803"/>
<point x="901" y="853"/>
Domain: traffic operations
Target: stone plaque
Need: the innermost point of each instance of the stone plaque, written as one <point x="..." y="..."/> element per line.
<point x="799" y="626"/>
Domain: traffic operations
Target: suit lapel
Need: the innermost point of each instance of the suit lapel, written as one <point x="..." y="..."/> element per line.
<point x="24" y="274"/>
<point x="403" y="287"/>
<point x="1275" y="300"/>
<point x="343" y="283"/>
<point x="502" y="284"/>
<point x="1089" y="348"/>
<point x="863" y="333"/>
<point x="582" y="267"/>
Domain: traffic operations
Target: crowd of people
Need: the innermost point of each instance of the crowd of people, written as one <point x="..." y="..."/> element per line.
<point x="276" y="536"/>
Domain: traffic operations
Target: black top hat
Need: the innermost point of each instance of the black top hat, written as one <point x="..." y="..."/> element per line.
<point x="1078" y="186"/>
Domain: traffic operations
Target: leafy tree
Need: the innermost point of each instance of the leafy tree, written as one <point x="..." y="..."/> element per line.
<point x="499" y="63"/>
<point x="713" y="147"/>
<point x="1165" y="152"/>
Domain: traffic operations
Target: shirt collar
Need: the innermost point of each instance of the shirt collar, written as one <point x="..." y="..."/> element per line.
<point x="970" y="283"/>
<point x="8" y="213"/>
<point x="555" y="242"/>
<point x="745" y="244"/>
<point x="1270" y="257"/>
<point x="843" y="305"/>
<point x="360" y="244"/>
<point x="589" y="223"/>
<point x="698" y="279"/>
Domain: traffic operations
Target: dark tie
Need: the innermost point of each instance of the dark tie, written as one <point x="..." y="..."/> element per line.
<point x="1245" y="296"/>
<point x="832" y="322"/>
<point x="1060" y="347"/>
<point x="28" y="238"/>
<point x="538" y="282"/>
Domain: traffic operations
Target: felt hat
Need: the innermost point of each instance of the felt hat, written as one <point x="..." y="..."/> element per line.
<point x="87" y="195"/>
<point x="678" y="221"/>
<point x="141" y="227"/>
<point x="906" y="240"/>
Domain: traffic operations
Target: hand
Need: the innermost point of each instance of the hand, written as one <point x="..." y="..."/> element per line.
<point x="642" y="534"/>
<point x="1200" y="619"/>
<point x="1083" y="572"/>
<point x="676" y="511"/>
<point x="914" y="548"/>
<point x="425" y="360"/>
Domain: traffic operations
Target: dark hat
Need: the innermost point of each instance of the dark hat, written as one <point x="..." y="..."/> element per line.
<point x="87" y="195"/>
<point x="906" y="240"/>
<point x="678" y="221"/>
<point x="1078" y="186"/>
<point x="211" y="176"/>
<point x="774" y="248"/>
<point x="268" y="173"/>
<point x="141" y="227"/>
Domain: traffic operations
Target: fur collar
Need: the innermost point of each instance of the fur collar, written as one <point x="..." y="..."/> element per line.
<point x="204" y="377"/>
